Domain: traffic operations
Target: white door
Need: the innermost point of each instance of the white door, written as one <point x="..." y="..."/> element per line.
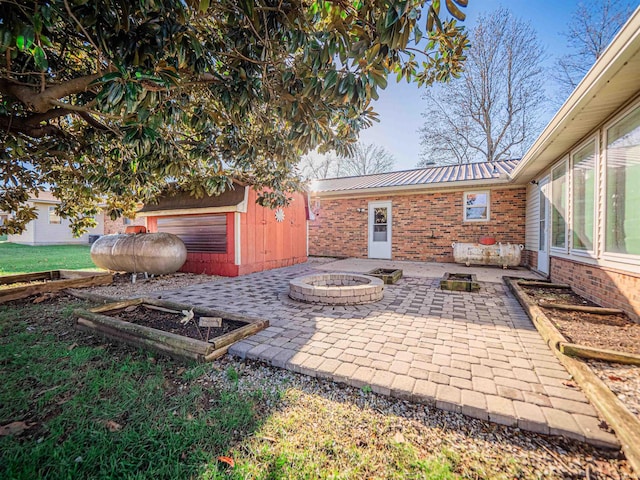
<point x="543" y="235"/>
<point x="380" y="230"/>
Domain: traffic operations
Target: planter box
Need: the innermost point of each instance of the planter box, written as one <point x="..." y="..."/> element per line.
<point x="104" y="321"/>
<point x="50" y="281"/>
<point x="388" y="275"/>
<point x="461" y="282"/>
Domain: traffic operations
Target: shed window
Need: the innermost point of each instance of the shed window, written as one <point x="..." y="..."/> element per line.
<point x="584" y="196"/>
<point x="623" y="186"/>
<point x="476" y="206"/>
<point x="559" y="206"/>
<point x="54" y="218"/>
<point x="200" y="233"/>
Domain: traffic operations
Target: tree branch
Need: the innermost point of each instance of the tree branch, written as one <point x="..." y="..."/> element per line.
<point x="28" y="128"/>
<point x="43" y="101"/>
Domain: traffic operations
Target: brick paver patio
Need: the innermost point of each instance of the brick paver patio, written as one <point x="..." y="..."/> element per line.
<point x="474" y="353"/>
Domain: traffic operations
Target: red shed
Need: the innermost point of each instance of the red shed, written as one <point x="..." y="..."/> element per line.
<point x="230" y="234"/>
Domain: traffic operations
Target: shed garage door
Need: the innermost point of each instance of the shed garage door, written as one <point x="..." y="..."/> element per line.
<point x="200" y="233"/>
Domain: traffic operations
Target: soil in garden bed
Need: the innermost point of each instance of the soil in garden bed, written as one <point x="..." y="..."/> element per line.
<point x="6" y="286"/>
<point x="170" y="322"/>
<point x="613" y="332"/>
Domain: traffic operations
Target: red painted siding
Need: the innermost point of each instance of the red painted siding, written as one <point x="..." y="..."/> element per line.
<point x="265" y="243"/>
<point x="339" y="230"/>
<point x="208" y="263"/>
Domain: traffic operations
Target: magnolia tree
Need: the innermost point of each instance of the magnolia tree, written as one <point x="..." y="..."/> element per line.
<point x="114" y="102"/>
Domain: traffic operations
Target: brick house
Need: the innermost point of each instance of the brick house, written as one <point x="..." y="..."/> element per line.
<point x="416" y="214"/>
<point x="120" y="225"/>
<point x="583" y="182"/>
<point x="573" y="199"/>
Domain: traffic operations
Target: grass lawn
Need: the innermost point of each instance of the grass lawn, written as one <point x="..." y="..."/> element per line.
<point x="75" y="406"/>
<point x="91" y="410"/>
<point x="15" y="259"/>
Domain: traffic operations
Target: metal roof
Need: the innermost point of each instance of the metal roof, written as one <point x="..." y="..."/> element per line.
<point x="419" y="177"/>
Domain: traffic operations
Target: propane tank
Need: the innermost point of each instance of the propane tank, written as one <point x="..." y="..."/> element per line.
<point x="153" y="253"/>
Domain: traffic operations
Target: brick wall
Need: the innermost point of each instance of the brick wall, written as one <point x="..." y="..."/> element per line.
<point x="339" y="230"/>
<point x="118" y="226"/>
<point x="604" y="286"/>
<point x="530" y="259"/>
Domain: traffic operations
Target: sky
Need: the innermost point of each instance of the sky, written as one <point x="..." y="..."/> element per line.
<point x="400" y="106"/>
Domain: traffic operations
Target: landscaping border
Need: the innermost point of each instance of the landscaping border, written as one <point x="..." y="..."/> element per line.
<point x="625" y="424"/>
<point x="177" y="346"/>
<point x="56" y="280"/>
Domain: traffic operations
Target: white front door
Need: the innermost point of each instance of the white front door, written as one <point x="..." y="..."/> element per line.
<point x="380" y="230"/>
<point x="544" y="227"/>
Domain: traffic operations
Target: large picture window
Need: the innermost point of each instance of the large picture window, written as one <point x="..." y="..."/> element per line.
<point x="623" y="186"/>
<point x="476" y="206"/>
<point x="559" y="206"/>
<point x="584" y="183"/>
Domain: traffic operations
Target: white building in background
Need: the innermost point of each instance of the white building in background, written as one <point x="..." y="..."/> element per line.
<point x="49" y="228"/>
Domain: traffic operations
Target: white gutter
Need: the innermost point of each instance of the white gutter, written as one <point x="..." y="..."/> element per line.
<point x="613" y="58"/>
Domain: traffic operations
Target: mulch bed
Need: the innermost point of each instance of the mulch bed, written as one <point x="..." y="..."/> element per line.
<point x="170" y="322"/>
<point x="613" y="332"/>
<point x="622" y="380"/>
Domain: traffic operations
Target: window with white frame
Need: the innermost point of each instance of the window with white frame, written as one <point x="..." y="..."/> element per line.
<point x="476" y="206"/>
<point x="622" y="212"/>
<point x="583" y="172"/>
<point x="559" y="206"/>
<point x="54" y="218"/>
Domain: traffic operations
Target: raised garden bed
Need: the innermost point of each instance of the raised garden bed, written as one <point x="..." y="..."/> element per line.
<point x="388" y="275"/>
<point x="624" y="422"/>
<point x="181" y="331"/>
<point x="584" y="323"/>
<point x="461" y="282"/>
<point x="14" y="287"/>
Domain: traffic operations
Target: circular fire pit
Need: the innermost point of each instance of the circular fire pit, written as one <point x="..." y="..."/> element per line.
<point x="336" y="289"/>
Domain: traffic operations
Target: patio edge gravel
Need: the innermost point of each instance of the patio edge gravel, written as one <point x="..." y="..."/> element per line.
<point x="624" y="423"/>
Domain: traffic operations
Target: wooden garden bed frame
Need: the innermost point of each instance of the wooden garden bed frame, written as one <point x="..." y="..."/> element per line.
<point x="624" y="423"/>
<point x="453" y="281"/>
<point x="388" y="275"/>
<point x="99" y="320"/>
<point x="52" y="281"/>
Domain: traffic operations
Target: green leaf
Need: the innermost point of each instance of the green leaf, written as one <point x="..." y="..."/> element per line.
<point x="392" y="17"/>
<point x="330" y="79"/>
<point x="418" y="33"/>
<point x="40" y="59"/>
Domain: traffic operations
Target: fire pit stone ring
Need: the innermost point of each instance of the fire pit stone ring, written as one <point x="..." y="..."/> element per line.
<point x="336" y="289"/>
